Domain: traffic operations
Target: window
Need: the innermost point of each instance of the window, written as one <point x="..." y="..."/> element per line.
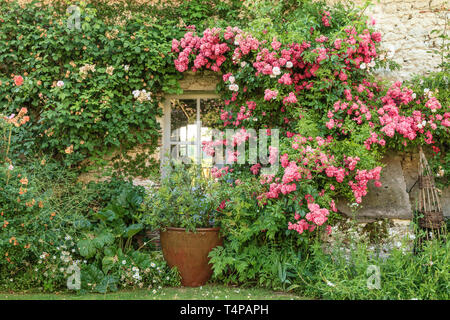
<point x="187" y="122"/>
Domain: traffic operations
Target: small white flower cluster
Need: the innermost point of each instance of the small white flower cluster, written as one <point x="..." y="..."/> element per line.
<point x="233" y="86"/>
<point x="390" y="52"/>
<point x="43" y="256"/>
<point x="126" y="67"/>
<point x="330" y="284"/>
<point x="60" y="83"/>
<point x="65" y="256"/>
<point x="289" y="64"/>
<point x="142" y="95"/>
<point x="441" y="172"/>
<point x="85" y="69"/>
<point x="430" y="93"/>
<point x="276" y="71"/>
<point x="109" y="70"/>
<point x="422" y="124"/>
<point x="136" y="275"/>
<point x="369" y="65"/>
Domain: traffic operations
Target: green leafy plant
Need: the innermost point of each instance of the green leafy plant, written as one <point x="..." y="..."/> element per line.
<point x="185" y="199"/>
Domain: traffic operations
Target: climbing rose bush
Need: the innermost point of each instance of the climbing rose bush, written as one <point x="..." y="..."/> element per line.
<point x="335" y="119"/>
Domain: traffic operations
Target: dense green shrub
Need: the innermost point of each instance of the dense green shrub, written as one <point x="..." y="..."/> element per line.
<point x="78" y="84"/>
<point x="185" y="199"/>
<point x="49" y="222"/>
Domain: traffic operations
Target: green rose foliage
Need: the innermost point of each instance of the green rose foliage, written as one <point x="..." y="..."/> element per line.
<point x="78" y="83"/>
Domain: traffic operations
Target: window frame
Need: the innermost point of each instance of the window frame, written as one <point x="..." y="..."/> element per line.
<point x="166" y="123"/>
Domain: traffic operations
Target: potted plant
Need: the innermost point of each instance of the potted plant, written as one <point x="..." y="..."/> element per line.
<point x="184" y="208"/>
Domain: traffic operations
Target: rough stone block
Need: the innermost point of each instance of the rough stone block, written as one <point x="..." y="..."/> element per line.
<point x="390" y="200"/>
<point x="199" y="81"/>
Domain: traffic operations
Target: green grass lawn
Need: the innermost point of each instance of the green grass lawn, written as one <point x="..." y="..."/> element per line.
<point x="207" y="292"/>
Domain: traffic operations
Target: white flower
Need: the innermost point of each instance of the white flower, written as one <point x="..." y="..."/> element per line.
<point x="243" y="64"/>
<point x="413" y="95"/>
<point x="231" y="79"/>
<point x="136" y="276"/>
<point x="289" y="64"/>
<point x="60" y="83"/>
<point x="391" y="52"/>
<point x="371" y="64"/>
<point x="136" y="93"/>
<point x="154" y="291"/>
<point x="276" y="71"/>
<point x="10" y="167"/>
<point x="424" y="123"/>
<point x="419" y="126"/>
<point x="124" y="261"/>
<point x="362" y="66"/>
<point x="236" y="43"/>
<point x="233" y="87"/>
<point x="152" y="264"/>
<point x="135" y="269"/>
<point x="61" y="269"/>
<point x="126" y="67"/>
<point x="68" y="237"/>
<point x="330" y="284"/>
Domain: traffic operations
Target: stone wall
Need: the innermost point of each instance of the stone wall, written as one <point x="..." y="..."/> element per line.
<point x="406" y="27"/>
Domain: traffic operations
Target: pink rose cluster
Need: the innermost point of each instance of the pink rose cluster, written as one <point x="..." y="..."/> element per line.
<point x="326" y="17"/>
<point x="362" y="177"/>
<point x="208" y="50"/>
<point x="270" y="94"/>
<point x="316" y="216"/>
<point x="392" y="117"/>
<point x="218" y="173"/>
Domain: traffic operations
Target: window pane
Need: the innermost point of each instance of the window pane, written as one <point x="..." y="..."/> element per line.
<point x="184" y="152"/>
<point x="183" y="121"/>
<point x="186" y="137"/>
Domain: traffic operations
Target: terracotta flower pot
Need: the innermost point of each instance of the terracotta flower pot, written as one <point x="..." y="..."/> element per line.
<point x="188" y="251"/>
